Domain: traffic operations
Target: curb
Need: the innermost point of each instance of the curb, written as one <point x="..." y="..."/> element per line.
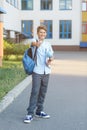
<point x="9" y="98"/>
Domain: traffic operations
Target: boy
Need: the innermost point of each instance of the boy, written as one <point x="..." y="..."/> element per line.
<point x="40" y="75"/>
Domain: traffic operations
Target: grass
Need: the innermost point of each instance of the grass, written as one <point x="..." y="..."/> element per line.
<point x="11" y="73"/>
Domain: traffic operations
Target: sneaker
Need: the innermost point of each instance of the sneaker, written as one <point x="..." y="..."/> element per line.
<point x="42" y="115"/>
<point x="28" y="119"/>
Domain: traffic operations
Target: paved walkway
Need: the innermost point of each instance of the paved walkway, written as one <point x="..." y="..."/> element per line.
<point x="66" y="100"/>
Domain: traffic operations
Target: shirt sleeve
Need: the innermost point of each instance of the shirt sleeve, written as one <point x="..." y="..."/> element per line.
<point x="51" y="49"/>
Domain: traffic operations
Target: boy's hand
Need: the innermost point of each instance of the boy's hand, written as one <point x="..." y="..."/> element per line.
<point x="37" y="44"/>
<point x="48" y="62"/>
<point x="51" y="58"/>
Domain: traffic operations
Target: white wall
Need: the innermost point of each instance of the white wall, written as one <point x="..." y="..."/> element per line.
<point x="1" y="3"/>
<point x="12" y="20"/>
<point x="56" y="15"/>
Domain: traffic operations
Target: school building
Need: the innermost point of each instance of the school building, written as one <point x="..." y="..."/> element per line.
<point x="66" y="21"/>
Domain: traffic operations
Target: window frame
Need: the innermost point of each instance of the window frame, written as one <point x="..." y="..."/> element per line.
<point x="64" y="25"/>
<point x="27" y="8"/>
<point x="46" y="3"/>
<point x="27" y="23"/>
<point x="85" y="5"/>
<point x="8" y="1"/>
<point x="14" y="3"/>
<point x="65" y="5"/>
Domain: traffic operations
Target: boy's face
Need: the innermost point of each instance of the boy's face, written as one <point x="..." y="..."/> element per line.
<point x="42" y="34"/>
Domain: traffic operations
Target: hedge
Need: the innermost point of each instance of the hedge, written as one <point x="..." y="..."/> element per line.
<point x="14" y="49"/>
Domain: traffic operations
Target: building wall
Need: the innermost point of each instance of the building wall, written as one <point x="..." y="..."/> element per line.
<point x="57" y="15"/>
<point x="14" y="16"/>
<point x="1" y="32"/>
<point x="84" y="19"/>
<point x="83" y="42"/>
<point x="1" y="3"/>
<point x="84" y="16"/>
<point x="1" y="39"/>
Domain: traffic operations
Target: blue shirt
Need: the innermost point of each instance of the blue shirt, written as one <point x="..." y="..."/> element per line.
<point x="41" y="67"/>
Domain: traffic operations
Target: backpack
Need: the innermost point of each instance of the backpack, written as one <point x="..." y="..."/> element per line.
<point x="29" y="60"/>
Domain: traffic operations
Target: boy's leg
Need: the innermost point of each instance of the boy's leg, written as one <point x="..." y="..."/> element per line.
<point x="36" y="81"/>
<point x="42" y="92"/>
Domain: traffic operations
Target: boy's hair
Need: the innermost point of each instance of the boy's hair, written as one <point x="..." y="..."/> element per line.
<point x="41" y="27"/>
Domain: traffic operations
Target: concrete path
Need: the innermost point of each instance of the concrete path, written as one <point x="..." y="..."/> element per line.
<point x="66" y="99"/>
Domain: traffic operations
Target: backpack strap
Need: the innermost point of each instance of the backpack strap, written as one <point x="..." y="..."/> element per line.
<point x="35" y="53"/>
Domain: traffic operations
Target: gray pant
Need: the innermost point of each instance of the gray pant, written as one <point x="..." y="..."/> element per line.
<point x="39" y="89"/>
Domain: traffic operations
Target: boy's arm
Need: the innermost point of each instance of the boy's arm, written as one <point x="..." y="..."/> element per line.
<point x="37" y="44"/>
<point x="50" y="60"/>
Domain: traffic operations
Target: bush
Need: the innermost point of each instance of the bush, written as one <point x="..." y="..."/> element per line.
<point x="14" y="49"/>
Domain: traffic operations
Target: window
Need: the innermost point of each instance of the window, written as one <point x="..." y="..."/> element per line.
<point x="48" y="24"/>
<point x="12" y="2"/>
<point x="84" y="28"/>
<point x="27" y="28"/>
<point x="8" y="1"/>
<point x="84" y="5"/>
<point x="16" y="4"/>
<point x="65" y="29"/>
<point x="65" y="4"/>
<point x="27" y="4"/>
<point x="46" y="4"/>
